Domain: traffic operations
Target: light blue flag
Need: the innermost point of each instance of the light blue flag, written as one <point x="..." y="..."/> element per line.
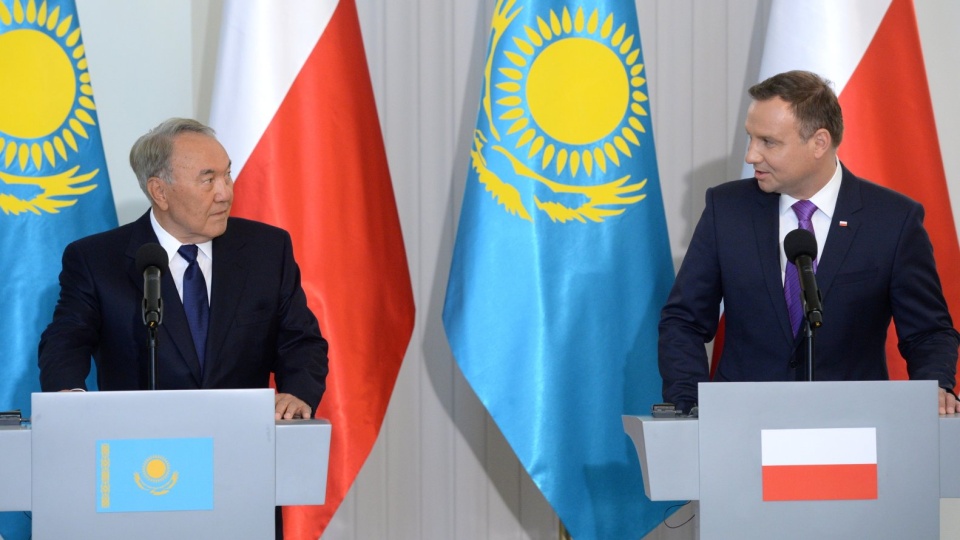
<point x="54" y="186"/>
<point x="154" y="475"/>
<point x="562" y="260"/>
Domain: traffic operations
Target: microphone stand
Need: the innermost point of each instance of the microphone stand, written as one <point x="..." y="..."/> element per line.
<point x="152" y="262"/>
<point x="152" y="354"/>
<point x="809" y="339"/>
<point x="152" y="320"/>
<point x="812" y="321"/>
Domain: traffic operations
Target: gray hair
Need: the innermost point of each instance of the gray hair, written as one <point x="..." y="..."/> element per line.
<point x="150" y="155"/>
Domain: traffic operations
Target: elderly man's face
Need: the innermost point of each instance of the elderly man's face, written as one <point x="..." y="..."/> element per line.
<point x="194" y="208"/>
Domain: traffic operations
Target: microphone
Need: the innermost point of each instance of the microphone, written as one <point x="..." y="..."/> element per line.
<point x="800" y="245"/>
<point x="152" y="262"/>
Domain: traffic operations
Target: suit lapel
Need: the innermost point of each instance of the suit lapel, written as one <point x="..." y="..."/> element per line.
<point x="839" y="239"/>
<point x="229" y="278"/>
<point x="174" y="330"/>
<point x="766" y="223"/>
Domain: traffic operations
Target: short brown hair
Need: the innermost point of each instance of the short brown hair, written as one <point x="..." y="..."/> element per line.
<point x="811" y="99"/>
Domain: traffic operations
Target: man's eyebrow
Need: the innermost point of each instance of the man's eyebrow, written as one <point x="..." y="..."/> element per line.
<point x="213" y="171"/>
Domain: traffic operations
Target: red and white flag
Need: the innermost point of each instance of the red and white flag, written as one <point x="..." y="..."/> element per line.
<point x="871" y="52"/>
<point x="819" y="464"/>
<point x="294" y="108"/>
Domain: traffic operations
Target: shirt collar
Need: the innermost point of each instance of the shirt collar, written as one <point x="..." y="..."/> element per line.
<point x="171" y="244"/>
<point x="825" y="199"/>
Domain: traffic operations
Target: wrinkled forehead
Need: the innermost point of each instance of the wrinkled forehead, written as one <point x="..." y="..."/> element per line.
<point x="195" y="153"/>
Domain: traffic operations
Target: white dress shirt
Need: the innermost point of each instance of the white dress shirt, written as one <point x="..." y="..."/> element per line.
<point x="178" y="265"/>
<point x="826" y="202"/>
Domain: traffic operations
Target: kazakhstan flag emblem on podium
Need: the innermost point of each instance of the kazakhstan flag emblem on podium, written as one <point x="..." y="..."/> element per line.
<point x="154" y="475"/>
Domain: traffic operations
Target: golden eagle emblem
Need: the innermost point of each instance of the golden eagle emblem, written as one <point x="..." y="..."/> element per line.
<point x="46" y="109"/>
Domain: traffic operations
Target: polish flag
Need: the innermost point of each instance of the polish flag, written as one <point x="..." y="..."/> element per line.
<point x="871" y="52"/>
<point x="819" y="464"/>
<point x="294" y="108"/>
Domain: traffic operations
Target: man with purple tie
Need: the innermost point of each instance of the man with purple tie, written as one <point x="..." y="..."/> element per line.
<point x="875" y="263"/>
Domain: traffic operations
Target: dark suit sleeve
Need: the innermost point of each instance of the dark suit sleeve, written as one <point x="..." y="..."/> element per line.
<point x="691" y="314"/>
<point x="927" y="339"/>
<point x="68" y="342"/>
<point x="301" y="366"/>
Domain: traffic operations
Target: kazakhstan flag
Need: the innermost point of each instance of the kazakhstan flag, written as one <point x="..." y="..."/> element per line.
<point x="54" y="186"/>
<point x="562" y="260"/>
<point x="154" y="475"/>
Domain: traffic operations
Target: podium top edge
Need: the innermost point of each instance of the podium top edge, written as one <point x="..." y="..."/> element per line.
<point x="302" y="422"/>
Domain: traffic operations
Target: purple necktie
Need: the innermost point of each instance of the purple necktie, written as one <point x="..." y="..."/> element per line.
<point x="791" y="281"/>
<point x="195" y="302"/>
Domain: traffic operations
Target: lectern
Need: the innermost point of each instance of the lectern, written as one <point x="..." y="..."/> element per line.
<point x="806" y="460"/>
<point x="162" y="464"/>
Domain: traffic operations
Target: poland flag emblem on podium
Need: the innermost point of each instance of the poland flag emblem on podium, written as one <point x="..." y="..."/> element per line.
<point x="819" y="464"/>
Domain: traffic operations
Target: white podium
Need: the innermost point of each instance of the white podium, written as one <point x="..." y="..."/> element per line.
<point x="161" y="464"/>
<point x="751" y="484"/>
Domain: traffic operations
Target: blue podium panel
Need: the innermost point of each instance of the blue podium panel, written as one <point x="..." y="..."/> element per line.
<point x="819" y="460"/>
<point x="153" y="465"/>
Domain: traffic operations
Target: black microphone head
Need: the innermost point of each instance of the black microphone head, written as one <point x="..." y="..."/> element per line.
<point x="800" y="242"/>
<point x="152" y="254"/>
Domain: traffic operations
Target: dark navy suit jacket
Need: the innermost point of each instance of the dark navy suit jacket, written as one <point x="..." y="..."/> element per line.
<point x="878" y="264"/>
<point x="259" y="319"/>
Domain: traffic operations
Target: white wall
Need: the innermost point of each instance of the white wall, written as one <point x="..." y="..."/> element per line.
<point x="441" y="469"/>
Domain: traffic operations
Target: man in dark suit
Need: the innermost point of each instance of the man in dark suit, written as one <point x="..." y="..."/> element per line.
<point x="876" y="262"/>
<point x="258" y="321"/>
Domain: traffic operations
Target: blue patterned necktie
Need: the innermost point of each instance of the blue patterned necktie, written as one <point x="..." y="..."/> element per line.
<point x="791" y="282"/>
<point x="195" y="302"/>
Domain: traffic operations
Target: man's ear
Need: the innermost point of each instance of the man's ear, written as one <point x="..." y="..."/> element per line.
<point x="157" y="189"/>
<point x="822" y="142"/>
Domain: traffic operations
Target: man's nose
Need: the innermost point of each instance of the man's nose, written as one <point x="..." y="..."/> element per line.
<point x="224" y="191"/>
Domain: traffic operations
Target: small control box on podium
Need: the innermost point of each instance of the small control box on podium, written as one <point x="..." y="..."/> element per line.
<point x="160" y="464"/>
<point x="800" y="460"/>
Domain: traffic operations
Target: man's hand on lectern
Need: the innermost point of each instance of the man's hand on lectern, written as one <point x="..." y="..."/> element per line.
<point x="948" y="403"/>
<point x="289" y="407"/>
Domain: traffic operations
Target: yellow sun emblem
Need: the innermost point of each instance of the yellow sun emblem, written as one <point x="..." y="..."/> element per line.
<point x="46" y="108"/>
<point x="564" y="105"/>
<point x="157" y="478"/>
